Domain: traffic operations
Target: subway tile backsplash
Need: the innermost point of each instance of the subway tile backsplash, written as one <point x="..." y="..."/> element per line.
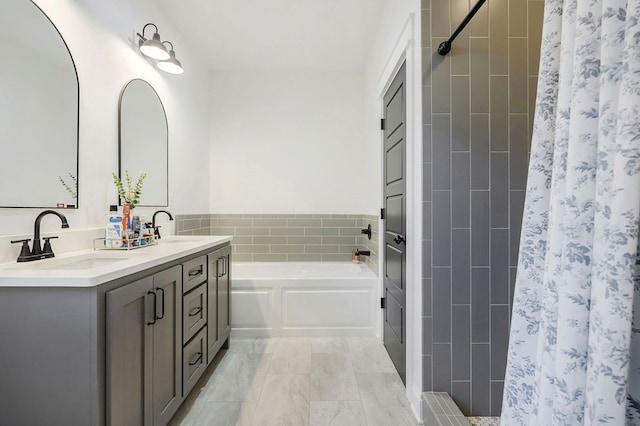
<point x="288" y="237"/>
<point x="193" y="224"/>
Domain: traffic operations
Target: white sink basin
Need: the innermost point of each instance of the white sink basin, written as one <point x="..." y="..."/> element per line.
<point x="80" y="262"/>
<point x="88" y="263"/>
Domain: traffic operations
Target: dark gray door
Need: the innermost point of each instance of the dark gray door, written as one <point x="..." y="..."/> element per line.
<point x="394" y="230"/>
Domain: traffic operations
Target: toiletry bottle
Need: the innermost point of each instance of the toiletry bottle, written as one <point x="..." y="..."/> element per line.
<point x="149" y="230"/>
<point x="113" y="230"/>
<point x="143" y="234"/>
<point x="126" y="216"/>
<point x="135" y="227"/>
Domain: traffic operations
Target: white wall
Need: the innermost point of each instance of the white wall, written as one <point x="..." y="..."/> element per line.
<point x="289" y="141"/>
<point x="101" y="37"/>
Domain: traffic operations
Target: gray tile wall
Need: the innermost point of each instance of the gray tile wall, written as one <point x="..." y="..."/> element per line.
<point x="478" y="104"/>
<point x="193" y="224"/>
<point x="372" y="244"/>
<point x="288" y="237"/>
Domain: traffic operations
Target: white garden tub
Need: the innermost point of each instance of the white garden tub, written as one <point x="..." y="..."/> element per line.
<point x="303" y="299"/>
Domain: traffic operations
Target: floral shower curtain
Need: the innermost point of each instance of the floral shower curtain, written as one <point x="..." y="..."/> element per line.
<point x="574" y="350"/>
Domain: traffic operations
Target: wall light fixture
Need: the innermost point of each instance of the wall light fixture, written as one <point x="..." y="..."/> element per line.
<point x="171" y="65"/>
<point x="153" y="47"/>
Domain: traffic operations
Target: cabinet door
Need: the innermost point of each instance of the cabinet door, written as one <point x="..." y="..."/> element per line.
<point x="212" y="306"/>
<point x="129" y="357"/>
<point x="219" y="300"/>
<point x="224" y="294"/>
<point x="167" y="345"/>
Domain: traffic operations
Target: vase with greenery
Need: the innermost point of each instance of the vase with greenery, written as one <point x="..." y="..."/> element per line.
<point x="129" y="192"/>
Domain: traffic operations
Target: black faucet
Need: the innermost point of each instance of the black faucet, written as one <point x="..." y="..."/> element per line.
<point x="156" y="229"/>
<point x="363" y="252"/>
<point x="37" y="252"/>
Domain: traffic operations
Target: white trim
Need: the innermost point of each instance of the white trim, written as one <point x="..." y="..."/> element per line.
<point x="397" y="56"/>
<point x="407" y="48"/>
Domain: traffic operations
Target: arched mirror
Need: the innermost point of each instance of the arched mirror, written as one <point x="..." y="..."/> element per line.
<point x="144" y="141"/>
<point x="38" y="111"/>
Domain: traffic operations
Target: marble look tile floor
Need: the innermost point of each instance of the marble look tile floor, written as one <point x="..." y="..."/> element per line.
<point x="299" y="382"/>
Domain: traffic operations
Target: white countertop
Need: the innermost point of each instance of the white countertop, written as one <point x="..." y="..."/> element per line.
<point x="89" y="268"/>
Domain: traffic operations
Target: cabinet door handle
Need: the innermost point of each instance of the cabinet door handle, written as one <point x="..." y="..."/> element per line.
<point x="195" y="272"/>
<point x="220" y="274"/>
<point x="195" y="311"/>
<point x="197" y="359"/>
<point x="224" y="266"/>
<point x="155" y="302"/>
<point x="161" y="316"/>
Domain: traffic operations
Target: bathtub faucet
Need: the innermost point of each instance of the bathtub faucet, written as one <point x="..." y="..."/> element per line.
<point x="363" y="252"/>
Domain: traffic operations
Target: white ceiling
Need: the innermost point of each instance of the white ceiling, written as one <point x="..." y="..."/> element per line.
<point x="299" y="34"/>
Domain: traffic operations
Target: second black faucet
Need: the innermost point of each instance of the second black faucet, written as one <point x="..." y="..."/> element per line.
<point x="156" y="229"/>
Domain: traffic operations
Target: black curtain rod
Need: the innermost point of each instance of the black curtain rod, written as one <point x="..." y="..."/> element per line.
<point x="445" y="46"/>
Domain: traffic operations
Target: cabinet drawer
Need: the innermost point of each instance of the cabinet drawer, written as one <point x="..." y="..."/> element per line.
<point x="194" y="272"/>
<point x="194" y="312"/>
<point x="194" y="361"/>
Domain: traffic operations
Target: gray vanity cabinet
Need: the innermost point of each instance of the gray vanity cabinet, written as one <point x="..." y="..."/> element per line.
<point x="144" y="362"/>
<point x="113" y="354"/>
<point x="219" y="300"/>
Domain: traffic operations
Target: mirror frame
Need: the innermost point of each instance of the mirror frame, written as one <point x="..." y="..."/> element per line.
<point x="75" y="69"/>
<point x="166" y="123"/>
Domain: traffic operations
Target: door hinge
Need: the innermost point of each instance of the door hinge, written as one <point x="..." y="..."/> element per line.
<point x="383" y="302"/>
<point x="382" y="212"/>
<point x="382" y="124"/>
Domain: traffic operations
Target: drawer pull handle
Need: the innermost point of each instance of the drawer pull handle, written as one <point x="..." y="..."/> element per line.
<point x="197" y="360"/>
<point x="196" y="311"/>
<point x="195" y="272"/>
